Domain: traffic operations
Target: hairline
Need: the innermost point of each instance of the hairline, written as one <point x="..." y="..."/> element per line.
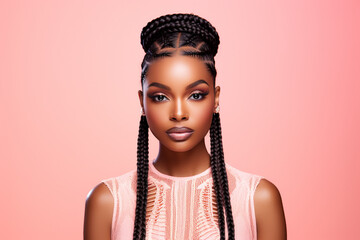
<point x="176" y="52"/>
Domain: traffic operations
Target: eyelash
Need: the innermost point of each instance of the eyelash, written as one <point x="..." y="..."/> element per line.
<point x="156" y="96"/>
<point x="201" y="95"/>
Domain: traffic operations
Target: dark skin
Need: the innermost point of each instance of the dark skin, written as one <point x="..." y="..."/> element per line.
<point x="179" y="91"/>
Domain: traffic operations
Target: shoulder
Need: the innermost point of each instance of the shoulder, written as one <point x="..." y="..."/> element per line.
<point x="99" y="203"/>
<point x="100" y="195"/>
<point x="269" y="211"/>
<point x="98" y="213"/>
<point x="266" y="193"/>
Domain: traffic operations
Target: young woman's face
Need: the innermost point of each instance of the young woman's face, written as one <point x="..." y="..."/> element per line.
<point x="179" y="100"/>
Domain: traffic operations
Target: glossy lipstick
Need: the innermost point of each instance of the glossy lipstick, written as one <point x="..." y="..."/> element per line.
<point x="179" y="133"/>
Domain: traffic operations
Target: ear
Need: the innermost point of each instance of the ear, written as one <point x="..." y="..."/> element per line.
<point x="217" y="96"/>
<point x="140" y="94"/>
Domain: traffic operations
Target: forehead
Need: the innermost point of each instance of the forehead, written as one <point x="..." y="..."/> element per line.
<point x="178" y="70"/>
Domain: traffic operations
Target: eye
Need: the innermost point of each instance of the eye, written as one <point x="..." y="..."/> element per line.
<point x="198" y="95"/>
<point x="158" y="98"/>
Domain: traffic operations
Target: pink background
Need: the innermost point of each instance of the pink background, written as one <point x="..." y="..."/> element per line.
<point x="290" y="106"/>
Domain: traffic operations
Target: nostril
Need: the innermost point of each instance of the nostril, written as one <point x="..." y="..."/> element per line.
<point x="178" y="117"/>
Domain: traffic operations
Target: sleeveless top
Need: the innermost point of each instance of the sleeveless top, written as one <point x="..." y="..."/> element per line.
<point x="183" y="207"/>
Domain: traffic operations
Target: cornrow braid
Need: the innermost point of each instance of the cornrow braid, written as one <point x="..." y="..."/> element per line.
<point x="191" y="30"/>
<point x="180" y="23"/>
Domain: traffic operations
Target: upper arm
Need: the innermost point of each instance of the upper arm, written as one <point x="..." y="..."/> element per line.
<point x="269" y="212"/>
<point x="98" y="214"/>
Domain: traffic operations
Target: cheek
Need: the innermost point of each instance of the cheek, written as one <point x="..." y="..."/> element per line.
<point x="156" y="116"/>
<point x="202" y="115"/>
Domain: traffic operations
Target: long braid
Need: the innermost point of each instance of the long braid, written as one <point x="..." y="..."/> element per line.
<point x="223" y="175"/>
<point x="142" y="180"/>
<point x="215" y="168"/>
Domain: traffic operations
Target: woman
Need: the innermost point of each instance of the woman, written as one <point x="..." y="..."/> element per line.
<point x="185" y="193"/>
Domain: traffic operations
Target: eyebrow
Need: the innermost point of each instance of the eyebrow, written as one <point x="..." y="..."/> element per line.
<point x="196" y="83"/>
<point x="160" y="85"/>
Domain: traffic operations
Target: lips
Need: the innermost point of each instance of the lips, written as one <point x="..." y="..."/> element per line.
<point x="179" y="133"/>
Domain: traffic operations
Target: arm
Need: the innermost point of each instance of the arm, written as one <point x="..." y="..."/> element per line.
<point x="269" y="212"/>
<point x="98" y="214"/>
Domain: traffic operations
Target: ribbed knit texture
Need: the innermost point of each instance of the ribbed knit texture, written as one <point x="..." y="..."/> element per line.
<point x="183" y="207"/>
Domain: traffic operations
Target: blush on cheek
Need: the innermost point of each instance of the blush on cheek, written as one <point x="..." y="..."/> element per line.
<point x="154" y="129"/>
<point x="152" y="120"/>
<point x="155" y="121"/>
<point x="205" y="112"/>
<point x="204" y="119"/>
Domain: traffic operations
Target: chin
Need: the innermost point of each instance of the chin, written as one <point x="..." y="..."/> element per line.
<point x="183" y="146"/>
<point x="180" y="148"/>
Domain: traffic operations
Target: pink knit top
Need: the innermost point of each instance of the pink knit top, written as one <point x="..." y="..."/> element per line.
<point x="183" y="207"/>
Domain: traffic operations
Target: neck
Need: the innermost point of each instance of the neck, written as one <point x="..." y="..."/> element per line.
<point x="183" y="164"/>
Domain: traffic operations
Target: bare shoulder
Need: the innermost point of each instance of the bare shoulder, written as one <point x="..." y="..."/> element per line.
<point x="267" y="193"/>
<point x="98" y="213"/>
<point x="100" y="195"/>
<point x="269" y="212"/>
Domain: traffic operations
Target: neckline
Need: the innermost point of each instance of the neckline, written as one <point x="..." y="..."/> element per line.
<point x="153" y="169"/>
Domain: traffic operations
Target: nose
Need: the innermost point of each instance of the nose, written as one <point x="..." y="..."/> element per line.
<point x="179" y="111"/>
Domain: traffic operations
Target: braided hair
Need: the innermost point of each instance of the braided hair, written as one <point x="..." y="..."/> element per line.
<point x="198" y="35"/>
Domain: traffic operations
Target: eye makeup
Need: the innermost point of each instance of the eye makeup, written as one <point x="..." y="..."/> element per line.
<point x="199" y="95"/>
<point x="157" y="97"/>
